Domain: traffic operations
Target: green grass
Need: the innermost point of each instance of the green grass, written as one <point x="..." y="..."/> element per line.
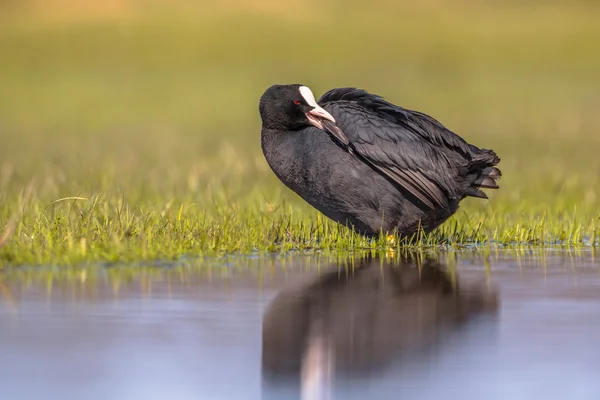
<point x="138" y="139"/>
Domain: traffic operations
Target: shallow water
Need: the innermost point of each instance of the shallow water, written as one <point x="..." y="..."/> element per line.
<point x="519" y="325"/>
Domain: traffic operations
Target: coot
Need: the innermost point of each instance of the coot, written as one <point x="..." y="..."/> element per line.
<point x="369" y="164"/>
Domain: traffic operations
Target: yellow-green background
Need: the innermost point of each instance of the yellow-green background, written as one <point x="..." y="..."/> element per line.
<point x="148" y="112"/>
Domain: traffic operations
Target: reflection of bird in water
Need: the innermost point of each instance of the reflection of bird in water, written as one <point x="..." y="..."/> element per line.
<point x="364" y="319"/>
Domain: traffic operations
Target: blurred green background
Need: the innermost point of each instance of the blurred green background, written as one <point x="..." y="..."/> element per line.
<point x="150" y="108"/>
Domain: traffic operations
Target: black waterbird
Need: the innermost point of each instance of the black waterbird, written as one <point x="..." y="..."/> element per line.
<point x="369" y="164"/>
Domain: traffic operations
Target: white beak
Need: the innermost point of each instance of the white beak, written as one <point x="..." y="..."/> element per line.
<point x="317" y="113"/>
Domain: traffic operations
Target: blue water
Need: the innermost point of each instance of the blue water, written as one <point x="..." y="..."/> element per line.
<point x="202" y="339"/>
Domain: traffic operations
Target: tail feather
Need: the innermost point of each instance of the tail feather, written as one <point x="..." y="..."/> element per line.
<point x="485" y="181"/>
<point x="492" y="172"/>
<point x="485" y="175"/>
<point x="474" y="192"/>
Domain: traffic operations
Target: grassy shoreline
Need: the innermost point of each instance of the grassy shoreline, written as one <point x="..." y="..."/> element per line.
<point x="91" y="230"/>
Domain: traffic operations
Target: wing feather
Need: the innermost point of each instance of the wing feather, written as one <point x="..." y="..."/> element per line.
<point x="408" y="147"/>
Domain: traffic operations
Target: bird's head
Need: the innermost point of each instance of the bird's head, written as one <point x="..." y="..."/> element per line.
<point x="291" y="107"/>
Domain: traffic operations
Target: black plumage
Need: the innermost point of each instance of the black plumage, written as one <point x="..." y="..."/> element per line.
<point x="369" y="164"/>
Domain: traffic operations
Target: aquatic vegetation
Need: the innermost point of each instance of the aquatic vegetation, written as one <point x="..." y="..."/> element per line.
<point x="139" y="139"/>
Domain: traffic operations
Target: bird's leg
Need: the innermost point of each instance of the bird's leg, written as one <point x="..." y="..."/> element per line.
<point x="391" y="240"/>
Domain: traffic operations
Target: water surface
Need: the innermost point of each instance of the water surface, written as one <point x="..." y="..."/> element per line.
<point x="512" y="324"/>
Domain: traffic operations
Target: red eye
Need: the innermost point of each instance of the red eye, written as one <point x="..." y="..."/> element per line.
<point x="297" y="102"/>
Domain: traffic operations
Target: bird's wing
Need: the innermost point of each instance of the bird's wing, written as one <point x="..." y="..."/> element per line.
<point x="412" y="122"/>
<point x="410" y="148"/>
